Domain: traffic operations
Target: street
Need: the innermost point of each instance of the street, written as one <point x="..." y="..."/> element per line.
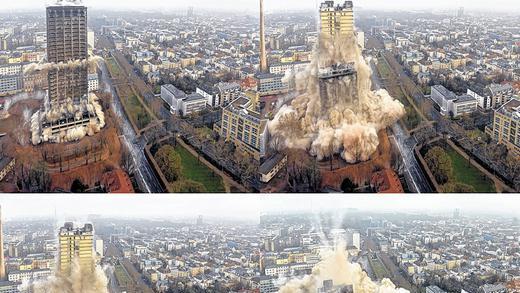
<point x="405" y="143"/>
<point x="145" y="175"/>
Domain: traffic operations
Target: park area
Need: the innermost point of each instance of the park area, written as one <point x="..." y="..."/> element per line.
<point x="412" y="119"/>
<point x="122" y="277"/>
<point x="185" y="172"/>
<point x="452" y="172"/>
<point x="195" y="170"/>
<point x="137" y="112"/>
<point x="133" y="105"/>
<point x="463" y="172"/>
<point x="378" y="268"/>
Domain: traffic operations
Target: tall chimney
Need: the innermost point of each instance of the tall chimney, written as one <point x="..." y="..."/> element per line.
<point x="2" y="261"/>
<point x="263" y="57"/>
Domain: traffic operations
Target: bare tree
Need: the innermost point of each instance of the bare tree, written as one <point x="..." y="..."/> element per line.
<point x="126" y="162"/>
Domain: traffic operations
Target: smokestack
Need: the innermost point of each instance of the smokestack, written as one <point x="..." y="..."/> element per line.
<point x="2" y="262"/>
<point x="263" y="57"/>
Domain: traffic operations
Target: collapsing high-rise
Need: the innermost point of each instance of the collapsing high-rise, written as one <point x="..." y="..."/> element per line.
<point x="69" y="112"/>
<point x="336" y="19"/>
<point x="76" y="244"/>
<point x="67" y="42"/>
<point x="336" y="22"/>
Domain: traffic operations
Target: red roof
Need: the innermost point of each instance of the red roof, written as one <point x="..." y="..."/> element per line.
<point x="117" y="181"/>
<point x="386" y="181"/>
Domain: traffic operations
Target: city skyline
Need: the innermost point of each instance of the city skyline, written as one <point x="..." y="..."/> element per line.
<point x="247" y="208"/>
<point x="250" y="6"/>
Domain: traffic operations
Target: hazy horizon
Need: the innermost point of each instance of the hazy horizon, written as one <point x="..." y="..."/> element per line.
<point x="244" y="207"/>
<point x="250" y="6"/>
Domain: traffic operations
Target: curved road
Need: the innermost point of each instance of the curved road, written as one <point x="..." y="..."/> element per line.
<point x="145" y="175"/>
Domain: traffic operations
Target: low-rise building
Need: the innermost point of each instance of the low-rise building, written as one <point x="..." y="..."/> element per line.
<point x="434" y="289"/>
<point x="29" y="275"/>
<point x="451" y="104"/>
<point x="500" y="94"/>
<point x="11" y="69"/>
<point x="180" y="103"/>
<point x="10" y="84"/>
<point x="271" y="84"/>
<point x="192" y="104"/>
<point x="227" y="92"/>
<point x="492" y="288"/>
<point x="282" y="68"/>
<point x="172" y="95"/>
<point x="481" y="94"/>
<point x="271" y="167"/>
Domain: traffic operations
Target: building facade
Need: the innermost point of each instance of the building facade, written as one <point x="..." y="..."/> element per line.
<point x="271" y="84"/>
<point x="180" y="103"/>
<point x="506" y="126"/>
<point x="93" y="82"/>
<point x="67" y="42"/>
<point x="243" y="125"/>
<point x="336" y="19"/>
<point x="450" y="104"/>
<point x="76" y="244"/>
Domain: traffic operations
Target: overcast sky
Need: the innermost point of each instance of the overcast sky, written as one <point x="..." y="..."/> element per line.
<point x="252" y="5"/>
<point x="243" y="207"/>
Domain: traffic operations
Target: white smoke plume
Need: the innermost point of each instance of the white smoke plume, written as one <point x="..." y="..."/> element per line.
<point x="92" y="63"/>
<point x="78" y="281"/>
<point x="69" y="109"/>
<point x="348" y="119"/>
<point x="11" y="101"/>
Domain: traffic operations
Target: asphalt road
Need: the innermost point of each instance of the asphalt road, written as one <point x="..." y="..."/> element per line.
<point x="414" y="175"/>
<point x="145" y="175"/>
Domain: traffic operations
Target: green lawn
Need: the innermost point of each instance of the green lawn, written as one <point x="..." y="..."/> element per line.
<point x="378" y="268"/>
<point x="384" y="69"/>
<point x="113" y="67"/>
<point x="412" y="119"/>
<point x="122" y="276"/>
<point x="194" y="170"/>
<point x="468" y="174"/>
<point x="137" y="112"/>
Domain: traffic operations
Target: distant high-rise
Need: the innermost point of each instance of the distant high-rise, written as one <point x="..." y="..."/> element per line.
<point x="67" y="42"/>
<point x="76" y="244"/>
<point x="336" y="19"/>
<point x="263" y="57"/>
<point x="353" y="239"/>
<point x="456" y="213"/>
<point x="460" y="13"/>
<point x="190" y="12"/>
<point x="2" y="261"/>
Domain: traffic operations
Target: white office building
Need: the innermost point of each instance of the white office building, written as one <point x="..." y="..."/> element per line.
<point x="452" y="105"/>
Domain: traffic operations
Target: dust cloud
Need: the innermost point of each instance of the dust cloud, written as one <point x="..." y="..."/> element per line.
<point x="347" y="119"/>
<point x="336" y="266"/>
<point x="92" y="63"/>
<point x="79" y="280"/>
<point x="89" y="107"/>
